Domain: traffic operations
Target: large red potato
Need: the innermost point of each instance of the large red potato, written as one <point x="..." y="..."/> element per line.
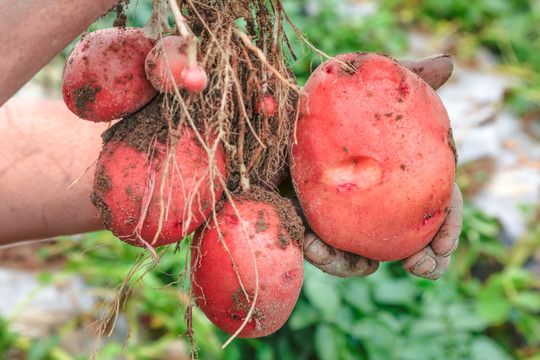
<point x="128" y="190"/>
<point x="374" y="161"/>
<point x="104" y="76"/>
<point x="275" y="233"/>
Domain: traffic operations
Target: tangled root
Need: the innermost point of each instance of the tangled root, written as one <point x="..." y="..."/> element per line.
<point x="242" y="47"/>
<point x="244" y="67"/>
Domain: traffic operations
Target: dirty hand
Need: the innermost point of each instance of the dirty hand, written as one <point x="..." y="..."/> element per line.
<point x="430" y="262"/>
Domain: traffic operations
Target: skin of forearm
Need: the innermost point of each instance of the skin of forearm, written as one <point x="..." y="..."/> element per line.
<point x="32" y="32"/>
<point x="43" y="149"/>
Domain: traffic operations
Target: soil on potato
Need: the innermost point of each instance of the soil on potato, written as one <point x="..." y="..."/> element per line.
<point x="102" y="185"/>
<point x="84" y="95"/>
<point x="137" y="131"/>
<point x="288" y="217"/>
<point x="121" y="17"/>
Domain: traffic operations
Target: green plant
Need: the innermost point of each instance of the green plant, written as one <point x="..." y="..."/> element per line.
<point x="487" y="305"/>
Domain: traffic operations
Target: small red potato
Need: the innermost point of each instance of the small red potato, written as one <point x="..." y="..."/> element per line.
<point x="268" y="106"/>
<point x="166" y="62"/>
<point x="194" y="79"/>
<point x="104" y="77"/>
<point x="225" y="291"/>
<point x="374" y="162"/>
<point x="129" y="193"/>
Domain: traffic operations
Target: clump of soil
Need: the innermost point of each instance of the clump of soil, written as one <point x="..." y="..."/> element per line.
<point x="137" y="130"/>
<point x="288" y="216"/>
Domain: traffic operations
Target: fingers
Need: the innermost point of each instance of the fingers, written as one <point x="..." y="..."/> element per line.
<point x="434" y="70"/>
<point x="336" y="262"/>
<point x="432" y="261"/>
<point x="426" y="264"/>
<point x="446" y="240"/>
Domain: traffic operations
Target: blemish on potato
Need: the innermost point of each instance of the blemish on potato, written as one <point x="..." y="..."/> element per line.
<point x="403" y="88"/>
<point x="353" y="173"/>
<point x="330" y="69"/>
<point x="205" y="205"/>
<point x="283" y="240"/>
<point x="231" y="219"/>
<point x="429" y="217"/>
<point x="261" y="223"/>
<point x="83" y="96"/>
<point x="346" y="187"/>
<point x="290" y="275"/>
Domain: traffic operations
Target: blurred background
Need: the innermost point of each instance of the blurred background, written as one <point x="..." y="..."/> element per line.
<point x="487" y="305"/>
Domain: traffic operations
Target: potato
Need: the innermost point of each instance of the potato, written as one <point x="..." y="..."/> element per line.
<point x="165" y="63"/>
<point x="267" y="106"/>
<point x="128" y="189"/>
<point x="275" y="234"/>
<point x="104" y="77"/>
<point x="374" y="161"/>
<point x="194" y="79"/>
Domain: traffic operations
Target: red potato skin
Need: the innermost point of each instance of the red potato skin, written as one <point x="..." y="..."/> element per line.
<point x="374" y="162"/>
<point x="165" y="63"/>
<point x="104" y="77"/>
<point x="194" y="79"/>
<point x="132" y="180"/>
<point x="268" y="106"/>
<point x="215" y="283"/>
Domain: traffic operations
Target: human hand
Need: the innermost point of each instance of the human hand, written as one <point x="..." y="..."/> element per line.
<point x="430" y="262"/>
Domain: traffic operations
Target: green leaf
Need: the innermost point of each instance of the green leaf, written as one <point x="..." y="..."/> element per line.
<point x="495" y="310"/>
<point x="265" y="352"/>
<point x="303" y="316"/>
<point x="396" y="292"/>
<point x="528" y="301"/>
<point x="323" y="295"/>
<point x="427" y="327"/>
<point x="374" y="331"/>
<point x="464" y="318"/>
<point x="420" y="348"/>
<point x="485" y="348"/>
<point x="357" y="294"/>
<point x="326" y="342"/>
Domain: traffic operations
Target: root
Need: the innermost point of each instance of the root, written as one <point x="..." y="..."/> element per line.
<point x="262" y="57"/>
<point x="109" y="318"/>
<point x="82" y="175"/>
<point x="243" y="66"/>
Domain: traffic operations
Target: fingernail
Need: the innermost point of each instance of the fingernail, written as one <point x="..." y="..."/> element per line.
<point x="453" y="249"/>
<point x="426" y="266"/>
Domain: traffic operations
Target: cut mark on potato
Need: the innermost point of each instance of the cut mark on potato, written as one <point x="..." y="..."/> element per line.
<point x="431" y="217"/>
<point x="353" y="173"/>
